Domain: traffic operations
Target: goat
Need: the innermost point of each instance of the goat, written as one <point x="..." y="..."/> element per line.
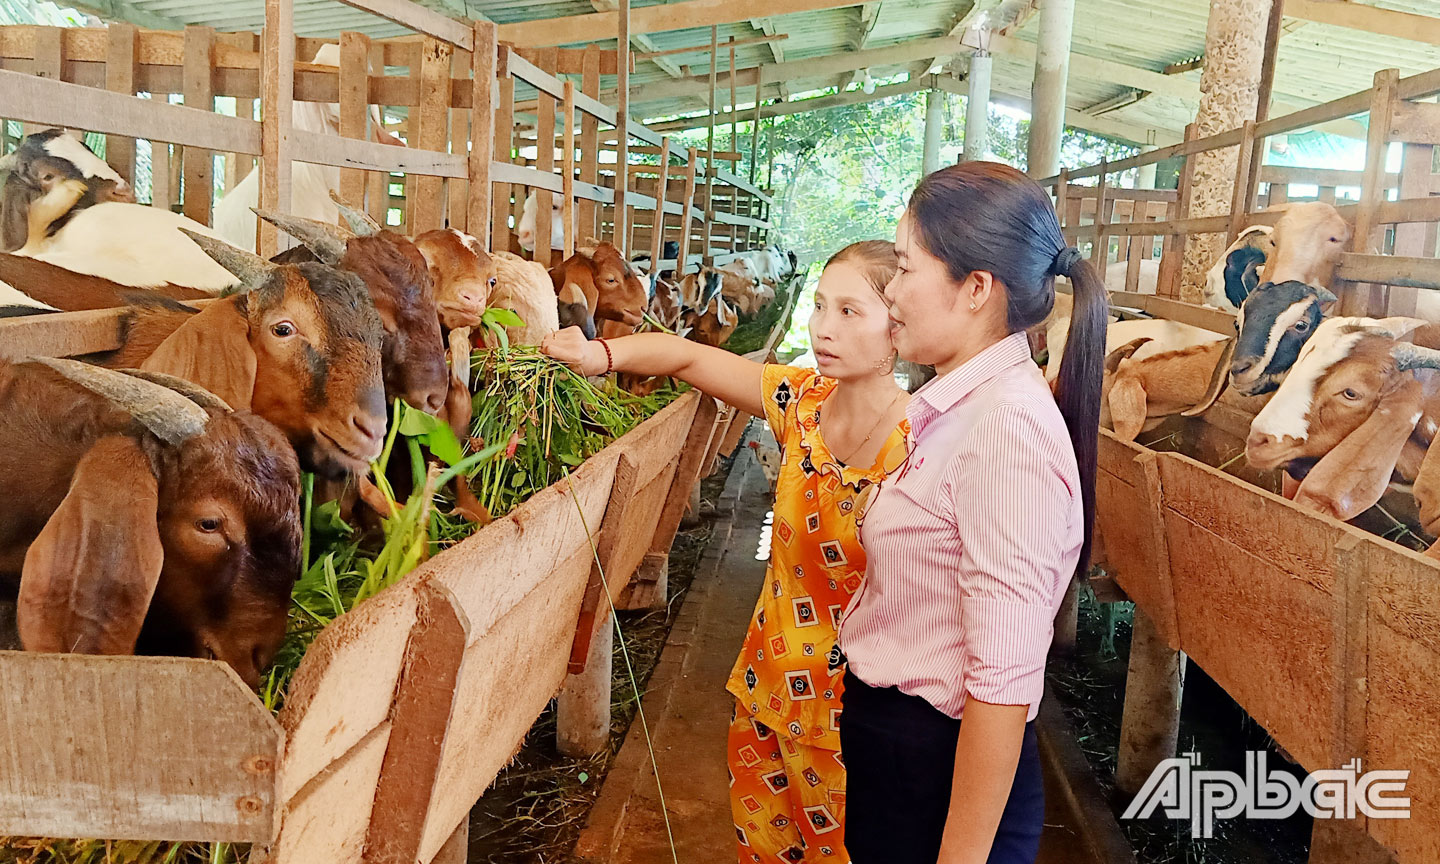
<point x="525" y="288"/>
<point x="38" y="165"/>
<point x="398" y="279"/>
<point x="666" y="304"/>
<point x="311" y="185"/>
<point x="14" y="302"/>
<point x="301" y="348"/>
<point x="130" y="244"/>
<point x="1308" y="238"/>
<point x="464" y="275"/>
<point x="669" y="251"/>
<point x="1156" y="368"/>
<point x="614" y="296"/>
<point x="525" y="230"/>
<point x="1347" y="420"/>
<point x="1237" y="273"/>
<point x="144" y="519"/>
<point x="711" y="323"/>
<point x="55" y="288"/>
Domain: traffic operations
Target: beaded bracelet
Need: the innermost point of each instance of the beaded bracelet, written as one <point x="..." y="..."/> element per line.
<point x="609" y="358"/>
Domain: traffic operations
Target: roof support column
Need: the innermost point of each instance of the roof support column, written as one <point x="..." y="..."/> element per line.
<point x="1047" y="92"/>
<point x="934" y="124"/>
<point x="1145" y="175"/>
<point x="1229" y="93"/>
<point x="977" y="108"/>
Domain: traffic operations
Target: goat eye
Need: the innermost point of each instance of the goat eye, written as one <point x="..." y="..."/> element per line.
<point x="1334" y="239"/>
<point x="1349" y="393"/>
<point x="283" y="329"/>
<point x="493" y="280"/>
<point x="1302" y="326"/>
<point x="208" y="526"/>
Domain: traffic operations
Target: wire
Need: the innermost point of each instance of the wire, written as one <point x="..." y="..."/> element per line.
<point x="629" y="671"/>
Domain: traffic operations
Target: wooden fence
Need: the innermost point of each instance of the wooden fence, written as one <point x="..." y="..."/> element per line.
<point x="1394" y="241"/>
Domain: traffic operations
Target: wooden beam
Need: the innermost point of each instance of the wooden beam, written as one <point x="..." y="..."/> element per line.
<point x="1370" y="19"/>
<point x="696" y="49"/>
<point x="421" y="20"/>
<point x="767" y="26"/>
<point x="1079" y="119"/>
<point x="782" y="109"/>
<point x="654" y="19"/>
<point x="648" y="49"/>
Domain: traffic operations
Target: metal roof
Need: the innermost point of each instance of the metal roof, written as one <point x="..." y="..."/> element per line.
<point x="1317" y="62"/>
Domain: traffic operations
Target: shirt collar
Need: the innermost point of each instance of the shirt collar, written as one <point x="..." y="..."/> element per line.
<point x="943" y="393"/>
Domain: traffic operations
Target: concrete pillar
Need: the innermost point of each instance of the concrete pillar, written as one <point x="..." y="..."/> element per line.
<point x="1047" y="92"/>
<point x="977" y="108"/>
<point x="1229" y="92"/>
<point x="582" y="721"/>
<point x="1146" y="178"/>
<point x="1150" y="723"/>
<point x="934" y="124"/>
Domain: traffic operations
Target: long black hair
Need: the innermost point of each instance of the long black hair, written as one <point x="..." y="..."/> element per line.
<point x="988" y="216"/>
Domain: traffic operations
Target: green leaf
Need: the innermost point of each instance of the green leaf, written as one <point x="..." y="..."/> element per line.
<point x="416" y="423"/>
<point x="502" y="317"/>
<point x="443" y="443"/>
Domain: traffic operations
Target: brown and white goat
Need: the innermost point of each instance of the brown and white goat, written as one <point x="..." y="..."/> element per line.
<point x="1357" y="411"/>
<point x="139" y="519"/>
<point x="38" y="165"/>
<point x="398" y="279"/>
<point x="615" y="298"/>
<point x="1156" y="369"/>
<point x="301" y="349"/>
<point x="464" y="275"/>
<point x="712" y="323"/>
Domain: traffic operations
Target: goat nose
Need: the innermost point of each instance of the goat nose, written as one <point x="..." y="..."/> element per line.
<point x="369" y="426"/>
<point x="1242" y="365"/>
<point x="434" y="401"/>
<point x="1257" y="440"/>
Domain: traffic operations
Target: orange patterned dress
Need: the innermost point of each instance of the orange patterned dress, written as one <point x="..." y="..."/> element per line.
<point x="787" y="774"/>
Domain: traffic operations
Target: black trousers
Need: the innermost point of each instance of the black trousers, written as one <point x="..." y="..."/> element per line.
<point x="899" y="762"/>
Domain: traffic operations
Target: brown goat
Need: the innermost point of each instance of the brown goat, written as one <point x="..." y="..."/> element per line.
<point x="400" y="287"/>
<point x="142" y="521"/>
<point x="667" y="305"/>
<point x="463" y="273"/>
<point x="614" y="295"/>
<point x="301" y="350"/>
<point x="712" y="323"/>
<point x="69" y="291"/>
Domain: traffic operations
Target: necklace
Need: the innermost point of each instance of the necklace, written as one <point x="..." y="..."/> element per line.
<point x="881" y="419"/>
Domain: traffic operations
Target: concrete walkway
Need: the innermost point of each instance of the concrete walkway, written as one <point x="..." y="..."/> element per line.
<point x="688" y="711"/>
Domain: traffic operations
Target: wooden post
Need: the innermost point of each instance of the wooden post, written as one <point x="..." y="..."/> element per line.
<point x="122" y="64"/>
<point x="1100" y="252"/>
<point x="1150" y="724"/>
<point x="199" y="85"/>
<point x="354" y="81"/>
<point x="688" y="203"/>
<point x="49" y="62"/>
<point x="544" y="159"/>
<point x="482" y="116"/>
<point x="457" y="190"/>
<point x="504" y="147"/>
<point x="622" y="130"/>
<point x="657" y="223"/>
<point x="377" y="183"/>
<point x="590" y="138"/>
<point x="1172" y="261"/>
<point x="1361" y="299"/>
<point x="1267" y="64"/>
<point x="734" y="147"/>
<point x="1243" y="193"/>
<point x="755" y="125"/>
<point x="1062" y="195"/>
<point x="582" y="722"/>
<point x="710" y="152"/>
<point x="277" y="77"/>
<point x="426" y="201"/>
<point x="567" y="180"/>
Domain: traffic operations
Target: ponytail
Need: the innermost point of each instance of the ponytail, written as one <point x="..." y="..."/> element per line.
<point x="1077" y="391"/>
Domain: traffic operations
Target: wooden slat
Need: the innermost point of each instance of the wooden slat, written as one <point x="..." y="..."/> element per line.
<point x="200" y="95"/>
<point x="158" y="769"/>
<point x="120" y="68"/>
<point x="545" y="163"/>
<point x="567" y="172"/>
<point x="57" y="103"/>
<point x="457" y="208"/>
<point x="1241" y="195"/>
<point x="424" y="207"/>
<point x="419" y="19"/>
<point x="589" y="136"/>
<point x="622" y="217"/>
<point x="354" y="107"/>
<point x="371" y="156"/>
<point x="1390" y="270"/>
<point x="1415" y="122"/>
<point x="482" y="145"/>
<point x="1365" y="298"/>
<point x="657" y="221"/>
<point x="377" y="183"/>
<point x="500" y="234"/>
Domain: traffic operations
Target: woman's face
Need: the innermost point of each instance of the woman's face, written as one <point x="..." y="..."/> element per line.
<point x="924" y="301"/>
<point x="849" y="327"/>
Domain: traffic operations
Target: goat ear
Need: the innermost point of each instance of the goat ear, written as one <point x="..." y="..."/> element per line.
<point x="88" y="578"/>
<point x="1127" y="407"/>
<point x="1349" y="479"/>
<point x="1218" y="379"/>
<point x="211" y="349"/>
<point x="1399" y="326"/>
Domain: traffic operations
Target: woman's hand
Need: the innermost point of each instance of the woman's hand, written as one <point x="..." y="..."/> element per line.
<point x="570" y="347"/>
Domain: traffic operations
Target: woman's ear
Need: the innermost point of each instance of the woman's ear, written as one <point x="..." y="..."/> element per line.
<point x="977" y="289"/>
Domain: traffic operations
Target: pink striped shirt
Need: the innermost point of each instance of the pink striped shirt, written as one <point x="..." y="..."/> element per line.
<point x="972" y="543"/>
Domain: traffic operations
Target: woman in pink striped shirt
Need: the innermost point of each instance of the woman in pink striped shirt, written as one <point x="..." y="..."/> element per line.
<point x="971" y="545"/>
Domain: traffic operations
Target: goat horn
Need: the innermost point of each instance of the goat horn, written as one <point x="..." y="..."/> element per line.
<point x="1219" y="378"/>
<point x="249" y="268"/>
<point x="1114" y="358"/>
<point x="326" y="241"/>
<point x="1409" y="356"/>
<point x="1324" y="294"/>
<point x="358" y="220"/>
<point x="173" y="418"/>
<point x="189" y="389"/>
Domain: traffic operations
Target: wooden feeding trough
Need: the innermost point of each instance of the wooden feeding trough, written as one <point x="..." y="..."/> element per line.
<point x="402" y="711"/>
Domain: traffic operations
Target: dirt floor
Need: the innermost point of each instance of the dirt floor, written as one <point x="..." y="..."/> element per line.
<point x="1091" y="688"/>
<point x="534" y="811"/>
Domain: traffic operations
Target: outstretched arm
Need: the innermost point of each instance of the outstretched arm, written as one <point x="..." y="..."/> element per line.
<point x="726" y="376"/>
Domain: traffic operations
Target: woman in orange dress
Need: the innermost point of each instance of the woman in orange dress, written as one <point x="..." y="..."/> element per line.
<point x="840" y="429"/>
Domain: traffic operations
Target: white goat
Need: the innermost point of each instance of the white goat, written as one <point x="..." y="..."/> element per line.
<point x="525" y="288"/>
<point x="310" y="184"/>
<point x="525" y="231"/>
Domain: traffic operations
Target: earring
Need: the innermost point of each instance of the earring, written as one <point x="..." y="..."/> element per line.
<point x="972" y="307"/>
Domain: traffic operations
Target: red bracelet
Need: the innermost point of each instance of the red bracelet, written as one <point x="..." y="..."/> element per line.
<point x="609" y="358"/>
